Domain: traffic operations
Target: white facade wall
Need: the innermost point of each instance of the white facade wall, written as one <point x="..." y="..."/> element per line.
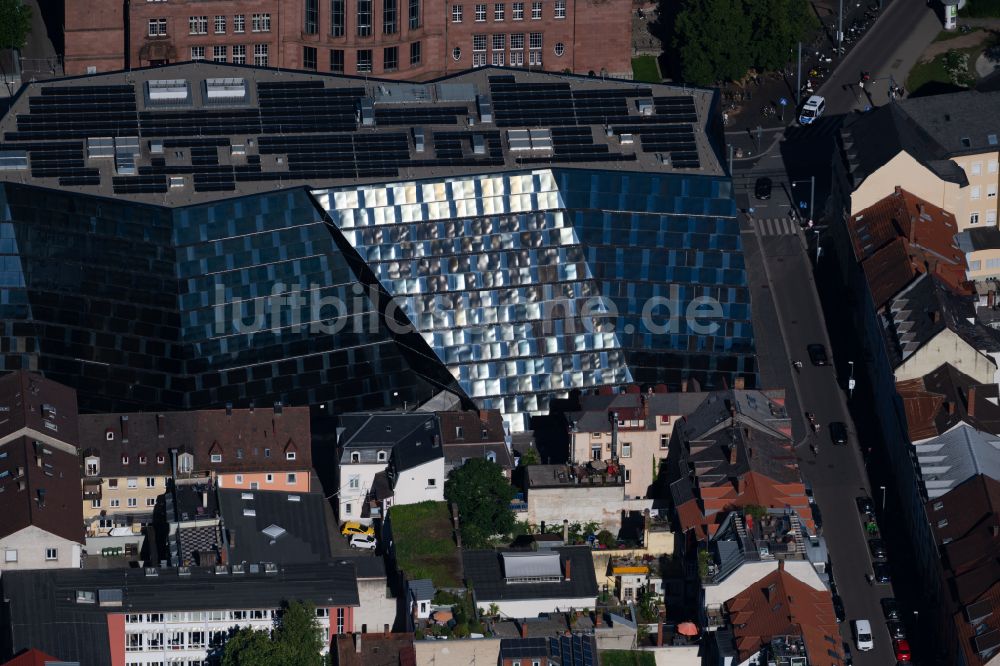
<point x="581" y="504"/>
<point x="415" y="485"/>
<point x="364" y="473"/>
<point x="26" y="549"/>
<point x="948" y="347"/>
<point x="377" y="608"/>
<point x="527" y="608"/>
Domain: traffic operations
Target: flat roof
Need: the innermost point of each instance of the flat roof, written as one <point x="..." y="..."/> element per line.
<point x="196" y="132"/>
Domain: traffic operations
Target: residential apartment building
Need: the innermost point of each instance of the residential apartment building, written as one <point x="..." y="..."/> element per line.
<point x="942" y="148"/>
<point x="633" y="427"/>
<point x="42" y="525"/>
<point x="406" y="39"/>
<point x="142" y="617"/>
<point x="734" y="450"/>
<point x="593" y="492"/>
<point x="470" y="434"/>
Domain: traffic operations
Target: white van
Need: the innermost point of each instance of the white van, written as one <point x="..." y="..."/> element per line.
<point x="863" y="635"/>
<point x="812" y="109"/>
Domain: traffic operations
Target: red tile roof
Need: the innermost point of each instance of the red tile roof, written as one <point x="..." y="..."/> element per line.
<point x="781" y="605"/>
<point x="31" y="658"/>
<point x="921" y="407"/>
<point x="901" y="236"/>
<point x="375" y="650"/>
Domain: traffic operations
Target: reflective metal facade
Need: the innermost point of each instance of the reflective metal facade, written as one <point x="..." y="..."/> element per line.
<point x="530" y="284"/>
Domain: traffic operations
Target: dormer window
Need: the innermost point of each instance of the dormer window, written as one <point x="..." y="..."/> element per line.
<point x="355" y="457"/>
<point x="142" y="460"/>
<point x="216" y="457"/>
<point x="92" y="466"/>
<point x="289" y="455"/>
<point x="382" y="456"/>
<point x="185" y="462"/>
<point x="160" y="458"/>
<point x="109" y="435"/>
<point x="491" y="456"/>
<point x="124" y="459"/>
<point x="459" y="432"/>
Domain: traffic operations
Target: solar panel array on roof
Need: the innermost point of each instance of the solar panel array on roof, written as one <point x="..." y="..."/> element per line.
<point x="575" y="650"/>
<point x="523" y="648"/>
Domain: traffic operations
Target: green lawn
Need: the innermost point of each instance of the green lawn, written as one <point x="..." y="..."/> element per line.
<point x="945" y="35"/>
<point x="935" y="72"/>
<point x="627" y="658"/>
<point x="981" y="9"/>
<point x="424" y="545"/>
<point x="644" y="69"/>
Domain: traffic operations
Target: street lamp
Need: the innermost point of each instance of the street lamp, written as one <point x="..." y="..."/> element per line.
<point x="850" y="381"/>
<point x="882" y="488"/>
<point x="812" y="195"/>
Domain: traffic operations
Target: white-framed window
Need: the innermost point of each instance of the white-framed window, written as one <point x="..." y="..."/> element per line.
<point x="991" y="217"/>
<point x="559" y="49"/>
<point x="260" y="23"/>
<point x="976" y="168"/>
<point x="239" y="23"/>
<point x="158" y="27"/>
<point x="480" y="13"/>
<point x="239" y="479"/>
<point x="219" y="53"/>
<point x="628" y="475"/>
<point x="115" y="503"/>
<point x="289" y="455"/>
<point x="498" y="11"/>
<point x="198" y="25"/>
<point x="239" y="54"/>
<point x="260" y="55"/>
<point x="150" y="502"/>
<point x="499" y="42"/>
<point x="95" y="504"/>
<point x="197" y="53"/>
<point x="517" y="11"/>
<point x="269" y="478"/>
<point x="975" y="192"/>
<point x="516" y="43"/>
<point x="382" y="456"/>
<point x="150" y="481"/>
<point x="142" y="459"/>
<point x="432" y="483"/>
<point x="10" y="555"/>
<point x="991" y="191"/>
<point x="354" y="482"/>
<point x="516" y="60"/>
<point x="975" y="264"/>
<point x="991" y="166"/>
<point x="626" y="450"/>
<point x="133" y="483"/>
<point x="347" y="509"/>
<point x="93" y="467"/>
<point x="479" y="59"/>
<point x="535" y="40"/>
<point x="133" y="502"/>
<point x="216" y="457"/>
<point x="478" y="43"/>
<point x="290" y="478"/>
<point x="112" y="483"/>
<point x="536" y="10"/>
<point x="560" y="9"/>
<point x="456" y="53"/>
<point x="973" y="218"/>
<point x="456" y="13"/>
<point x="124" y="459"/>
<point x="220" y="25"/>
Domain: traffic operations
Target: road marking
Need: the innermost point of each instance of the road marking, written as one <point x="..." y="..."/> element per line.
<point x="777" y="226"/>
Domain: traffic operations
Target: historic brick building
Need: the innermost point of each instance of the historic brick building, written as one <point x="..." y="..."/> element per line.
<point x="401" y="39"/>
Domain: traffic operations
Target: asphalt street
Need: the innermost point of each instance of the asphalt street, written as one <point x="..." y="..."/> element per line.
<point x="788" y="317"/>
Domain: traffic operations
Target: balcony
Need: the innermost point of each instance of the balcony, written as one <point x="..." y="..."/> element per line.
<point x="92" y="489"/>
<point x="594" y="473"/>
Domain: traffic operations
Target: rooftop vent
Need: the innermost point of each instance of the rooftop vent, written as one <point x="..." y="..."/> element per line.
<point x="273" y="531"/>
<point x="221" y="570"/>
<point x="250" y="513"/>
<point x="418" y="139"/>
<point x="225" y="90"/>
<point x="151" y="571"/>
<point x="156" y="147"/>
<point x="270" y="568"/>
<point x="167" y="91"/>
<point x="485" y="107"/>
<point x="176" y="181"/>
<point x="294" y="498"/>
<point x="85" y="597"/>
<point x="98" y="147"/>
<point x="109" y="597"/>
<point x="11" y="160"/>
<point x="541" y="139"/>
<point x="644" y="106"/>
<point x="522" y="139"/>
<point x="366" y="112"/>
<point x="183" y="571"/>
<point x="478" y="144"/>
<point x="246" y="496"/>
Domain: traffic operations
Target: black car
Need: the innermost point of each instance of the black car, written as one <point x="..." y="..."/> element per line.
<point x="848" y="658"/>
<point x="838" y="432"/>
<point x="890" y="608"/>
<point x="896" y="629"/>
<point x="865" y="504"/>
<point x="838" y="607"/>
<point x="882" y="575"/>
<point x="817" y="354"/>
<point x="817" y="516"/>
<point x="762" y="189"/>
<point x="877" y="549"/>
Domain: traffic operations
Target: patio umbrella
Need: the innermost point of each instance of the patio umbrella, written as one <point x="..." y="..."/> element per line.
<point x="687" y="629"/>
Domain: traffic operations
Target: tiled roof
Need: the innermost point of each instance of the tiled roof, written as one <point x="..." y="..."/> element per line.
<point x="296" y="524"/>
<point x="249" y="440"/>
<point x="781" y="605"/>
<point x="594" y="408"/>
<point x="955" y="456"/>
<point x="374" y="650"/>
<point x="484" y="572"/>
<point x="45" y="495"/>
<point x="921" y="407"/>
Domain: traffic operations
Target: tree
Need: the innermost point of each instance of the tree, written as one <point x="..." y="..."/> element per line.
<point x="295" y="641"/>
<point x="15" y="24"/>
<point x="483" y="497"/>
<point x="530" y="457"/>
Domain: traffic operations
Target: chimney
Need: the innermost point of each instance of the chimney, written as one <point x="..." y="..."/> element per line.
<point x="524" y="628"/>
<point x="124" y="428"/>
<point x="684" y="386"/>
<point x="357" y="643"/>
<point x="484" y="415"/>
<point x="565" y="531"/>
<point x="659" y="630"/>
<point x="385" y="630"/>
<point x="732" y="453"/>
<point x="613" y="417"/>
<point x="204" y="499"/>
<point x="598" y="618"/>
<point x="568" y="563"/>
<point x="950" y="406"/>
<point x="971" y="407"/>
<point x="899" y="190"/>
<point x="159" y="425"/>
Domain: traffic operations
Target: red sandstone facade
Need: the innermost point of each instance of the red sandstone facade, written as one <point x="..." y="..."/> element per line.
<point x="400" y="39"/>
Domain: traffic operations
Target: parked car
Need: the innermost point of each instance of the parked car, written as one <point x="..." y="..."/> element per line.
<point x="890" y="608"/>
<point x="838" y="607"/>
<point x="881" y="571"/>
<point x="809" y="493"/>
<point x="901" y="647"/>
<point x="762" y="189"/>
<point x="838" y="432"/>
<point x="817" y="354"/>
<point x="896" y="629"/>
<point x="817" y="516"/>
<point x="877" y="548"/>
<point x="350" y="527"/>
<point x="865" y="504"/>
<point x="364" y="541"/>
<point x="848" y="657"/>
<point x="862" y="630"/>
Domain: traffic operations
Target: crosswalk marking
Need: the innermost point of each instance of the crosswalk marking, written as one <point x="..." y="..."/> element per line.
<point x="780" y="226"/>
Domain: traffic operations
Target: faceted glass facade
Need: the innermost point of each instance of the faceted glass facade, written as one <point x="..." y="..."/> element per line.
<point x="140" y="306"/>
<point x="530" y="284"/>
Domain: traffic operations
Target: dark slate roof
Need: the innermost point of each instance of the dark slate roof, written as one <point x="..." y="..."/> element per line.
<point x="44" y="613"/>
<point x="413" y="438"/>
<point x="594" y="408"/>
<point x="979" y="238"/>
<point x="422" y="588"/>
<point x="960" y="122"/>
<point x="484" y="573"/>
<point x="305" y="537"/>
